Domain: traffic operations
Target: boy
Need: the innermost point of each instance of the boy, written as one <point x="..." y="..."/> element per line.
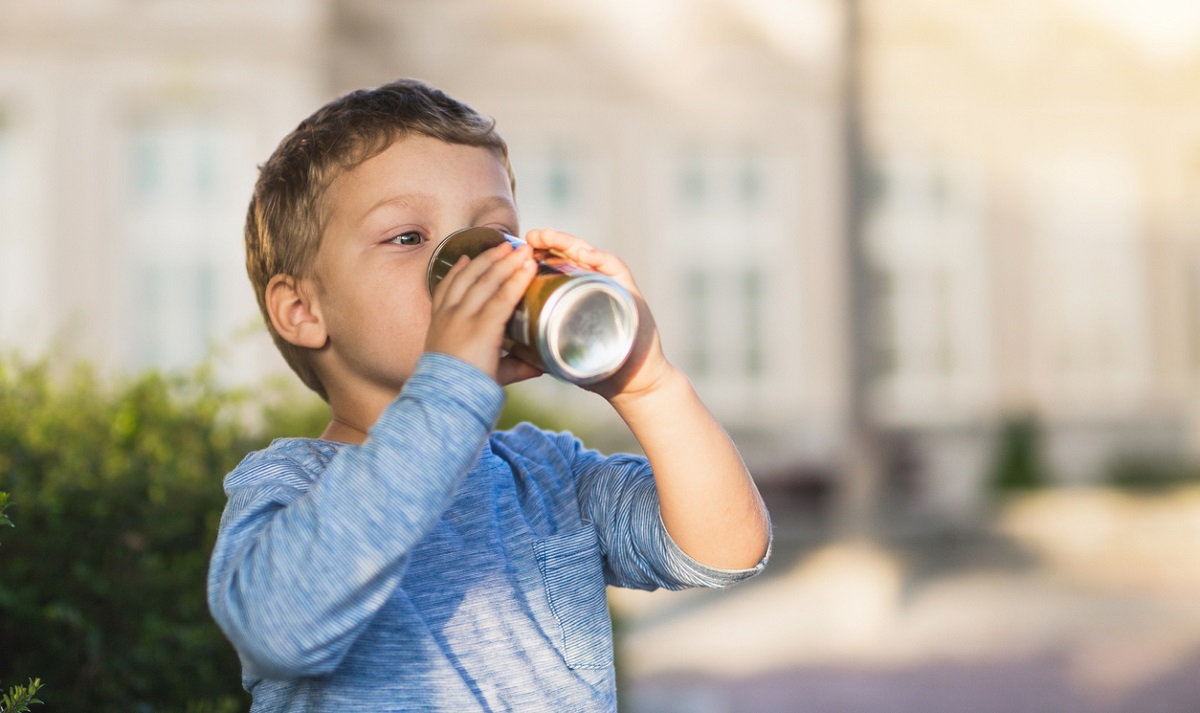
<point x="410" y="559"/>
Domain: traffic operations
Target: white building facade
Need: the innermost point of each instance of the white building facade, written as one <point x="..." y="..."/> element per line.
<point x="129" y="135"/>
<point x="1030" y="230"/>
<point x="1035" y="219"/>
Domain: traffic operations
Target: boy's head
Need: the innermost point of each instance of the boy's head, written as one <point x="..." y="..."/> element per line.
<point x="289" y="211"/>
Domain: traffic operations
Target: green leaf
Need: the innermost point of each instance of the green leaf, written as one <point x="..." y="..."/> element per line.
<point x="19" y="698"/>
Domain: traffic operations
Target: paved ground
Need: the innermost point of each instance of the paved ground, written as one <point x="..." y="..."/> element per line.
<point x="1068" y="603"/>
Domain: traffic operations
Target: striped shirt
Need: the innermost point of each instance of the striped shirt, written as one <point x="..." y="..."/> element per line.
<point x="438" y="566"/>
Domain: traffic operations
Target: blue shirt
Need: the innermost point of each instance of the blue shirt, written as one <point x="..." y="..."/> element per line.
<point x="438" y="566"/>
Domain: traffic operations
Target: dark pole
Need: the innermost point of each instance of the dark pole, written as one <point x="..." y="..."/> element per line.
<point x="859" y="492"/>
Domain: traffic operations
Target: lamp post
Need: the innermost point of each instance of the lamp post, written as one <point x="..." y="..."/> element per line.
<point x="860" y="489"/>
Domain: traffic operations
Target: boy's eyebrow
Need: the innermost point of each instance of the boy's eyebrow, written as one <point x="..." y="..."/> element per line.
<point x="420" y="200"/>
<point x="405" y="200"/>
<point x="495" y="202"/>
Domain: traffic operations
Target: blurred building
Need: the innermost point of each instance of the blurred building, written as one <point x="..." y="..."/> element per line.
<point x="700" y="141"/>
<point x="1033" y="221"/>
<point x="129" y="135"/>
<point x="1030" y="226"/>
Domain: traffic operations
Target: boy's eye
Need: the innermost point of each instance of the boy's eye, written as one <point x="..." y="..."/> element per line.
<point x="410" y="237"/>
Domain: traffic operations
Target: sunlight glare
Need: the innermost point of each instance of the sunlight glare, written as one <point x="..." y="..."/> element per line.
<point x="1167" y="28"/>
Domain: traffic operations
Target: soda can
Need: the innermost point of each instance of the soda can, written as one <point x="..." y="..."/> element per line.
<point x="575" y="324"/>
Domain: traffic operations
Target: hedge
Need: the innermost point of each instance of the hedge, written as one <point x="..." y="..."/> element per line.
<point x="116" y="490"/>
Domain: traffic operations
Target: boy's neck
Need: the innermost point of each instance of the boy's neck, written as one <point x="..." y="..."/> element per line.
<point x="343" y="432"/>
<point x="354" y="407"/>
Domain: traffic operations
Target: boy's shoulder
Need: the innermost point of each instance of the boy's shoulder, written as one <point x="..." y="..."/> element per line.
<point x="291" y="462"/>
<point x="528" y="439"/>
<point x="558" y="450"/>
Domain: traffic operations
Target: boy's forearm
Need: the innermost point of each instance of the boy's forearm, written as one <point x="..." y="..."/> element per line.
<point x="294" y="579"/>
<point x="709" y="503"/>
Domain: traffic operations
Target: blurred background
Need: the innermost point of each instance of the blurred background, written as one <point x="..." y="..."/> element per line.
<point x="935" y="264"/>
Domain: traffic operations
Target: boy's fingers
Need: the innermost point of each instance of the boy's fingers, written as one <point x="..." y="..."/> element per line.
<point x="564" y="243"/>
<point x="491" y="283"/>
<point x="584" y="255"/>
<point x="470" y="313"/>
<point x="465" y="271"/>
<point x="497" y="291"/>
<point x="577" y="250"/>
<point x="442" y="290"/>
<point x="465" y="274"/>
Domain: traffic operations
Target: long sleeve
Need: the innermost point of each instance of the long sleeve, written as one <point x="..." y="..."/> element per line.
<point x="301" y="562"/>
<point x="617" y="495"/>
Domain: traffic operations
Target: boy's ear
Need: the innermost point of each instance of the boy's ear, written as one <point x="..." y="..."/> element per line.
<point x="294" y="312"/>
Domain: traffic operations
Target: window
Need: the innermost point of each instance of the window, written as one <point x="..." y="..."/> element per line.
<point x="924" y="241"/>
<point x="752" y="314"/>
<point x="1193" y="311"/>
<point x="697" y="296"/>
<point x="183" y="231"/>
<point x="1090" y="327"/>
<point x="22" y="248"/>
<point x="725" y="235"/>
<point x="725" y="321"/>
<point x="554" y="190"/>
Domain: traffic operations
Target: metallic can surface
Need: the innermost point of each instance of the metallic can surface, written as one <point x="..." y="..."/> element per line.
<point x="572" y="323"/>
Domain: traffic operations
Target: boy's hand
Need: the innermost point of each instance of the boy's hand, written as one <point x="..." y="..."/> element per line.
<point x="647" y="367"/>
<point x="473" y="303"/>
<point x="707" y="499"/>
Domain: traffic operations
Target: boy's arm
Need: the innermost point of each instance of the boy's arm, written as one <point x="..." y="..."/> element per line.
<point x="709" y="504"/>
<point x="299" y="569"/>
<point x="296" y="576"/>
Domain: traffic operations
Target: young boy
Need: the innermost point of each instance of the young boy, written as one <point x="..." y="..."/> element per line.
<point x="411" y="559"/>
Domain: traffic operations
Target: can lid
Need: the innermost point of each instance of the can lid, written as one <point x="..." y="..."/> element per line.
<point x="589" y="329"/>
<point x="469" y="242"/>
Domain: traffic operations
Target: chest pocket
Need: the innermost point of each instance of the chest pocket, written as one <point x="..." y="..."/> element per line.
<point x="573" y="573"/>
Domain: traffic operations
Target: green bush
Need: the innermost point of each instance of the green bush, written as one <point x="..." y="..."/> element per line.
<point x="20" y="697"/>
<point x="1150" y="472"/>
<point x="1018" y="463"/>
<point x="117" y="487"/>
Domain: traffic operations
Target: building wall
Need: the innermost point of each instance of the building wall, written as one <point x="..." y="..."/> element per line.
<point x="1037" y="172"/>
<point x="1034" y="174"/>
<point x="700" y="142"/>
<point x="130" y="133"/>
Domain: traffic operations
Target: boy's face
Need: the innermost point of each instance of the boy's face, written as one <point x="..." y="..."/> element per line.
<point x="386" y="216"/>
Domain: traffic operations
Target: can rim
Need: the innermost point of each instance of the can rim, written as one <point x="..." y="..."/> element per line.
<point x="547" y="332"/>
<point x="487" y="237"/>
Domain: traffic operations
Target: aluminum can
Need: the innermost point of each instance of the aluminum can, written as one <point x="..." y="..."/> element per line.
<point x="575" y="324"/>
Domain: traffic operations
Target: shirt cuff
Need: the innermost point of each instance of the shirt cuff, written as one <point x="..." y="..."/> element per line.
<point x="699" y="574"/>
<point x="441" y="378"/>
